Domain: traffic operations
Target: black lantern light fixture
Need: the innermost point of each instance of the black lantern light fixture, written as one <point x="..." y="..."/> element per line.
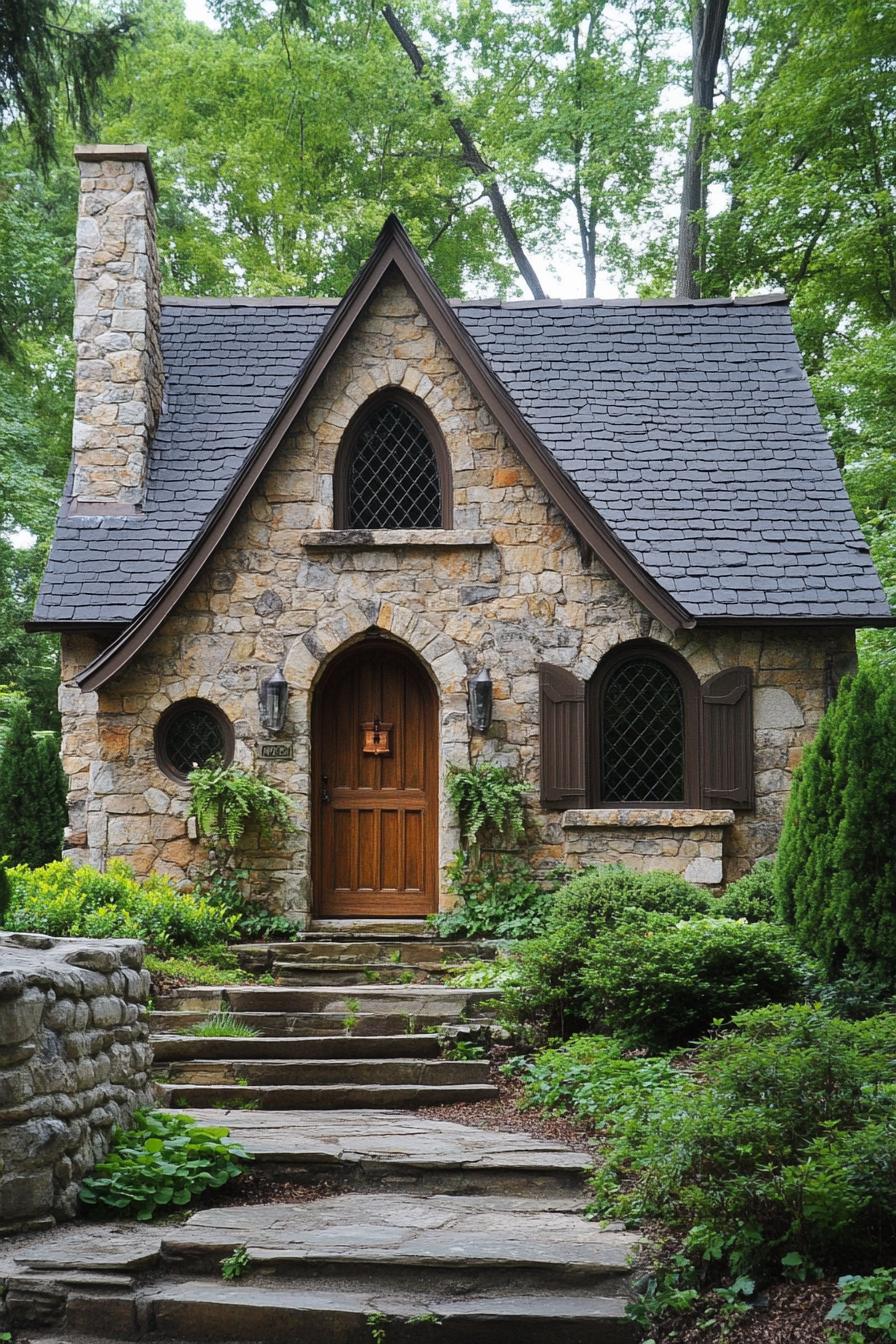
<point x="479" y="701"/>
<point x="272" y="700"/>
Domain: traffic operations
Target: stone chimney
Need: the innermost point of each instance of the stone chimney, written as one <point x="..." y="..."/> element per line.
<point x="118" y="373"/>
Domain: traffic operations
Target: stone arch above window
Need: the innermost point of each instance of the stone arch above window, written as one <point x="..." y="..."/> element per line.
<point x="393" y="469"/>
<point x="644" y="738"/>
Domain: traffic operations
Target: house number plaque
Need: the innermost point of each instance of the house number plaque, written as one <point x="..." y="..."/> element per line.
<point x="376" y="738"/>
<point x="275" y="751"/>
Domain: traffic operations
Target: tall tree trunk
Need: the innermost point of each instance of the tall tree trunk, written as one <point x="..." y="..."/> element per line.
<point x="707" y="33"/>
<point x="472" y="159"/>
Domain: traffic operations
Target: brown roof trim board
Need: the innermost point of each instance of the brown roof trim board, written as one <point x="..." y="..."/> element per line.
<point x="393" y="248"/>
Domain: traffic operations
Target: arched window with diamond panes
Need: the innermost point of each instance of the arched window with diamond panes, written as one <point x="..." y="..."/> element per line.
<point x="393" y="468"/>
<point x="643" y="713"/>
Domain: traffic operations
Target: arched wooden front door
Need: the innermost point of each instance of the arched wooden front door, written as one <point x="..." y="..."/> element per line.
<point x="375" y="785"/>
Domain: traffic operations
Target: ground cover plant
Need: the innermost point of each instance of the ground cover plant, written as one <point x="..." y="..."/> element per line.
<point x="207" y="966"/>
<point x="160" y="1164"/>
<point x="767" y="1151"/>
<point x="64" y="901"/>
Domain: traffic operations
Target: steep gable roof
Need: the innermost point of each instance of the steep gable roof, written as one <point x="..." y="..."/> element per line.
<point x="683" y="434"/>
<point x="393" y="252"/>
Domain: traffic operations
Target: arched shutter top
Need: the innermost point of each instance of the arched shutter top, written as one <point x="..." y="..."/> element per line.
<point x="728" y="739"/>
<point x="562" y="737"/>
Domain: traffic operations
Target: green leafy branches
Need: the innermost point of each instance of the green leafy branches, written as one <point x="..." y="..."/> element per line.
<point x="489" y="801"/>
<point x="162" y="1162"/>
<point x="227" y="799"/>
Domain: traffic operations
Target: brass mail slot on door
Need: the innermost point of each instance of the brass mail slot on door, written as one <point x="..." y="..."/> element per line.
<point x="376" y="738"/>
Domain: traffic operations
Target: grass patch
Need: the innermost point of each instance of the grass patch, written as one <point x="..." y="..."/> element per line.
<point x="222" y="1023"/>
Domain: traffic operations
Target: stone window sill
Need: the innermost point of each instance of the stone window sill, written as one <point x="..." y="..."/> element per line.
<point x="632" y="817"/>
<point x="358" y="540"/>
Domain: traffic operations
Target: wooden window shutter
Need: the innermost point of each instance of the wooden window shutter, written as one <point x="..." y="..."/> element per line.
<point x="728" y="739"/>
<point x="562" y="737"/>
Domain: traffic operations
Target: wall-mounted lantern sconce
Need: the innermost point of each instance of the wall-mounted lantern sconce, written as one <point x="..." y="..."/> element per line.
<point x="479" y="701"/>
<point x="272" y="700"/>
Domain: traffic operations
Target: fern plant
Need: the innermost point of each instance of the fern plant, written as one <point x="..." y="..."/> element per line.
<point x="226" y="799"/>
<point x="487" y="798"/>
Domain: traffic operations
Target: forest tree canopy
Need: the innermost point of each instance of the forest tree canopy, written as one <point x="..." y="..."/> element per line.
<point x="282" y="135"/>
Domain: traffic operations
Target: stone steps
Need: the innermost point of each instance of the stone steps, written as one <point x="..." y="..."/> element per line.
<point x="205" y="1311"/>
<point x="401" y="1255"/>
<point x="316" y="972"/>
<point x="448" y="1269"/>
<point x="453" y="1240"/>
<point x="348" y="1024"/>
<point x="450" y="1003"/>
<point x="325" y="1072"/>
<point x="422" y="1045"/>
<point x="401" y="1151"/>
<point x="320" y="1046"/>
<point x="423" y="953"/>
<point x="326" y="1097"/>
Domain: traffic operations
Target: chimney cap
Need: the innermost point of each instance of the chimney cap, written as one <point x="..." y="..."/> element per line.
<point x="123" y="153"/>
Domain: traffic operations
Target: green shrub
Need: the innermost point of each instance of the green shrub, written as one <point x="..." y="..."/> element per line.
<point x="160" y="1163"/>
<point x="497" y="898"/>
<point x="64" y="901"/>
<point x="836" y="866"/>
<point x="597" y="897"/>
<point x="657" y="982"/>
<point x="777" y="1145"/>
<point x="751" y="897"/>
<point x="551" y="998"/>
<point x="32" y="793"/>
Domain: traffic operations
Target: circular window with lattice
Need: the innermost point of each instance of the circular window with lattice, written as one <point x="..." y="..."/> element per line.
<point x="189" y="735"/>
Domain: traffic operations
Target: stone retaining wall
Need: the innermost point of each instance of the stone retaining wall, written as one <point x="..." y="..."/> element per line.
<point x="74" y="1063"/>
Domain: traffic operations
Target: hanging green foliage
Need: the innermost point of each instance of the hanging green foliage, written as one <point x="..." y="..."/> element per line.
<point x="489" y="800"/>
<point x="227" y="799"/>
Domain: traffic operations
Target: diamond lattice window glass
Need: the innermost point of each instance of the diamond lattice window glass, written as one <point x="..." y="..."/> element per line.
<point x="642" y="734"/>
<point x="191" y="737"/>
<point x="393" y="475"/>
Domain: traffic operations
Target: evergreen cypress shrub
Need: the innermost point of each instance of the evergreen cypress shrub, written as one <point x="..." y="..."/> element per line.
<point x="26" y="832"/>
<point x="5" y="894"/>
<point x="836" y="868"/>
<point x="52" y="812"/>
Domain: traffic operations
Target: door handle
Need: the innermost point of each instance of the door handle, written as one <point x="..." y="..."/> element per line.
<point x="324" y="789"/>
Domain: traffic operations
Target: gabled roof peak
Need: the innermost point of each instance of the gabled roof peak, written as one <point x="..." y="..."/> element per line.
<point x="392" y="250"/>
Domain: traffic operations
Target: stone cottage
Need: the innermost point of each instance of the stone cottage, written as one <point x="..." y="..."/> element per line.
<point x="604" y="543"/>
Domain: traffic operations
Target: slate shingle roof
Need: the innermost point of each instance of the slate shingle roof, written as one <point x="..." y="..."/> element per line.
<point x="689" y="426"/>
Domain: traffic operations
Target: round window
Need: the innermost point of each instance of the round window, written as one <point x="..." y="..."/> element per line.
<point x="189" y="735"/>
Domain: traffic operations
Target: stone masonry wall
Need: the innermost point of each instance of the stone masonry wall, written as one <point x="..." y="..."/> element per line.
<point x="74" y="1063"/>
<point x="118" y="372"/>
<point x="506" y="588"/>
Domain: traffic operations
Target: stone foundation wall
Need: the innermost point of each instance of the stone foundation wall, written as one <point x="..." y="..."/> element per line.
<point x="506" y="587"/>
<point x="74" y="1063"/>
